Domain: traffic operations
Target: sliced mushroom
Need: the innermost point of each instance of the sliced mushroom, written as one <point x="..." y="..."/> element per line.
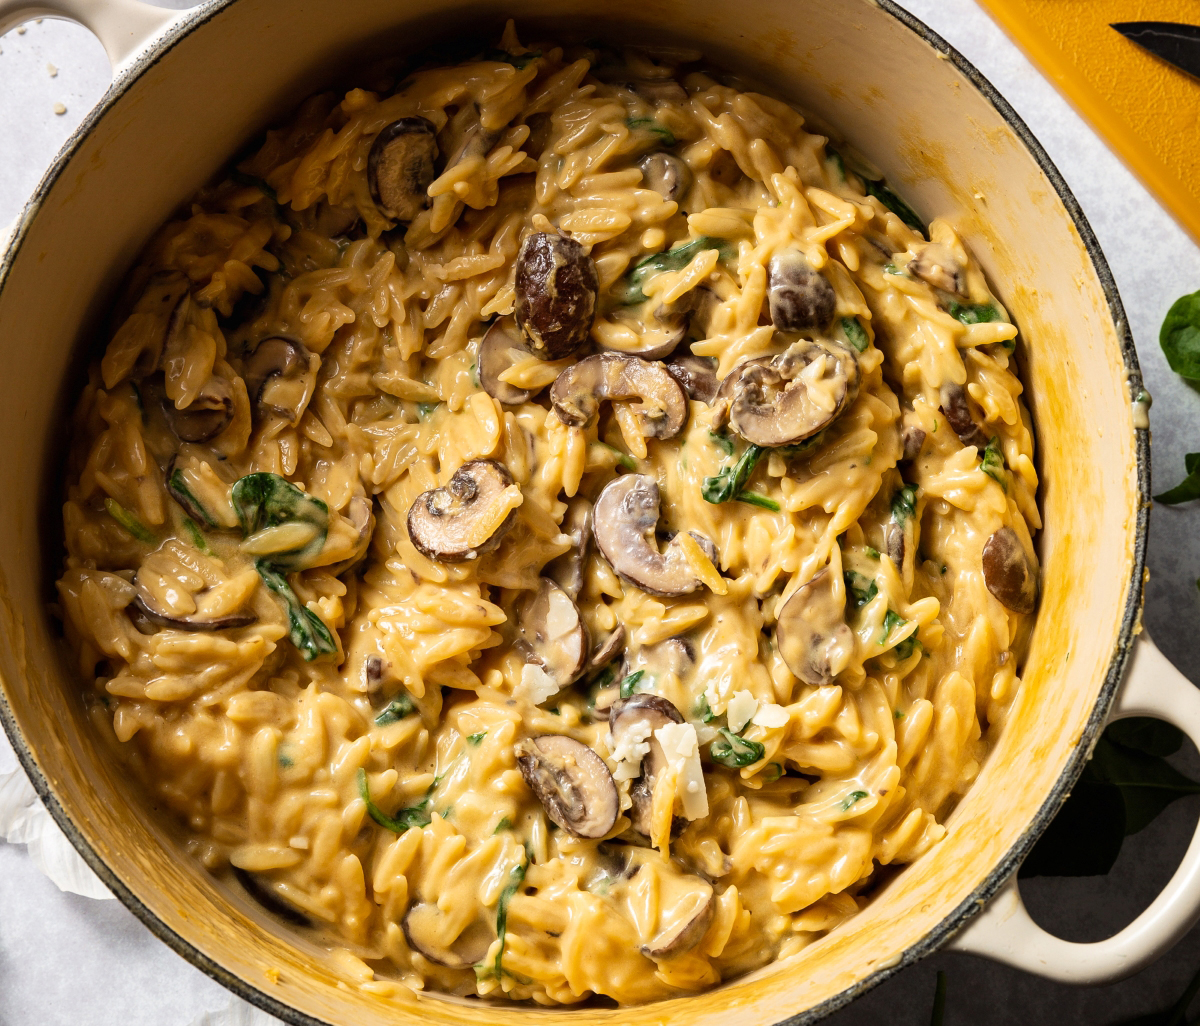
<point x="425" y="930"/>
<point x="269" y="900"/>
<point x="361" y="514"/>
<point x="782" y="400"/>
<point x="958" y="415"/>
<point x="400" y="167"/>
<point x="913" y="439"/>
<point x="666" y="174"/>
<point x="609" y="649"/>
<point x="578" y="391"/>
<point x="697" y="376"/>
<point x="1009" y="572"/>
<point x="551" y="633"/>
<point x="811" y="632"/>
<point x="652" y="330"/>
<point x="567" y="570"/>
<point x="556" y="285"/>
<point x="458" y="522"/>
<point x="935" y="264"/>
<point x="688" y="904"/>
<point x="624" y="523"/>
<point x="144" y="610"/>
<point x="645" y="713"/>
<point x="500" y="348"/>
<point x="798" y="296"/>
<point x="572" y="783"/>
<point x="204" y="417"/>
<point x="280" y="376"/>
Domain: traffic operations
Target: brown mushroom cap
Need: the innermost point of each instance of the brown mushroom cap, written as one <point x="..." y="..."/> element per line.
<point x="497" y="350"/>
<point x="556" y="285"/>
<point x="624" y="522"/>
<point x="400" y="167"/>
<point x="572" y="783"/>
<point x="697" y="376"/>
<point x="688" y="904"/>
<point x="958" y="415"/>
<point x="798" y="296"/>
<point x="656" y="712"/>
<point x="784" y="399"/>
<point x="444" y="523"/>
<point x="145" y="610"/>
<point x="425" y="930"/>
<point x="913" y="440"/>
<point x="578" y="391"/>
<point x="666" y="174"/>
<point x="551" y="633"/>
<point x="608" y="649"/>
<point x="935" y="264"/>
<point x="567" y="570"/>
<point x="204" y="417"/>
<point x="811" y="631"/>
<point x="280" y="376"/>
<point x="657" y="330"/>
<point x="1009" y="572"/>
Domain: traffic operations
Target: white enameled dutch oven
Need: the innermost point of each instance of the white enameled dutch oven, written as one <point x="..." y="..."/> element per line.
<point x="191" y="88"/>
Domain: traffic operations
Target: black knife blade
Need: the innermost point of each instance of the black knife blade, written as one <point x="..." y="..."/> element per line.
<point x="1177" y="44"/>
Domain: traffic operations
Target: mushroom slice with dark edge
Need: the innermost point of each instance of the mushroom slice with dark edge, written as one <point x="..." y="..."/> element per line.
<point x="556" y="285"/>
<point x="400" y="167"/>
<point x="449" y="523"/>
<point x="912" y="438"/>
<point x="1009" y="572"/>
<point x="551" y="633"/>
<point x="608" y="649"/>
<point x="567" y="570"/>
<point x="624" y="522"/>
<point x="497" y="352"/>
<point x="204" y="417"/>
<point x="936" y="265"/>
<point x="645" y="713"/>
<point x="784" y="399"/>
<point x="572" y="783"/>
<point x="145" y="610"/>
<point x="811" y="632"/>
<point x="665" y="174"/>
<point x="657" y="329"/>
<point x="697" y="376"/>
<point x="578" y="391"/>
<point x="424" y="931"/>
<point x="280" y="376"/>
<point x="798" y="296"/>
<point x="958" y="415"/>
<point x="268" y="899"/>
<point x="361" y="514"/>
<point x="688" y="904"/>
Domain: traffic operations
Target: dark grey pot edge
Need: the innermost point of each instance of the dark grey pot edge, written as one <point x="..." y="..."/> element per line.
<point x="974" y="902"/>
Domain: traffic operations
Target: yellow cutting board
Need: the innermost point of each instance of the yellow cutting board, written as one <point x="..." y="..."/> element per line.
<point x="1147" y="111"/>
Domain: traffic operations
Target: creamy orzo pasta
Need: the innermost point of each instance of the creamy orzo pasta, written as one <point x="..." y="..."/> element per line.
<point x="552" y="526"/>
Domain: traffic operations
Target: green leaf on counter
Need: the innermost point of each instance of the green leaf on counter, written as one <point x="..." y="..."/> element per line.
<point x="735" y="751"/>
<point x="937" y="1016"/>
<point x="416" y="815"/>
<point x="1187" y="489"/>
<point x="128" y="521"/>
<point x="307" y="631"/>
<point x="1180" y="336"/>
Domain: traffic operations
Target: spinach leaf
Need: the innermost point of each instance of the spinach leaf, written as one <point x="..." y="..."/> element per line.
<point x="649" y="125"/>
<point x="244" y="179"/>
<point x="722" y="441"/>
<point x="991" y="462"/>
<point x="775" y="770"/>
<point x="515" y="879"/>
<point x="894" y="621"/>
<point x="476" y="739"/>
<point x="1180" y="336"/>
<point x="904" y="504"/>
<point x="735" y="751"/>
<point x="504" y="824"/>
<point x="836" y="159"/>
<point x="859" y="588"/>
<point x="704" y="710"/>
<point x="128" y="521"/>
<point x="1187" y="489"/>
<point x="852" y="799"/>
<point x="198" y="542"/>
<point x="624" y="460"/>
<point x="266" y="500"/>
<point x="896" y="205"/>
<point x="628" y="291"/>
<point x="395" y="710"/>
<point x="307" y="630"/>
<point x="178" y="487"/>
<point x="731" y="481"/>
<point x="416" y="815"/>
<point x="630" y="684"/>
<point x="761" y="501"/>
<point x="855" y="333"/>
<point x="974" y="313"/>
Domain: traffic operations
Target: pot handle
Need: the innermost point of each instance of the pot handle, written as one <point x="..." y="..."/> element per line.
<point x="1005" y="932"/>
<point x="122" y="26"/>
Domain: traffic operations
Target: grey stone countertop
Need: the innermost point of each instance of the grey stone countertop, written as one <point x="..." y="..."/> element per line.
<point x="66" y="960"/>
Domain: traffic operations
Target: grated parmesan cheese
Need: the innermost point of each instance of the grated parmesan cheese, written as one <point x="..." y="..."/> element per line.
<point x="771" y="715"/>
<point x="536" y="684"/>
<point x="682" y="749"/>
<point x="632" y="748"/>
<point x="739" y="710"/>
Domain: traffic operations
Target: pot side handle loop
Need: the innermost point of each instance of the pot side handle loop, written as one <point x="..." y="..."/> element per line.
<point x="1005" y="932"/>
<point x="123" y="26"/>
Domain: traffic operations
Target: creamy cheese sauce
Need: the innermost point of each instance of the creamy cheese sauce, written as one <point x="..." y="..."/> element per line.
<point x="419" y="702"/>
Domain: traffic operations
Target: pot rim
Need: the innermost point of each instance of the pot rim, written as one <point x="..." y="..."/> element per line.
<point x="974" y="903"/>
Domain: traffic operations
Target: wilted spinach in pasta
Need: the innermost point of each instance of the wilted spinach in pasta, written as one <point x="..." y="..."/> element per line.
<point x="553" y="525"/>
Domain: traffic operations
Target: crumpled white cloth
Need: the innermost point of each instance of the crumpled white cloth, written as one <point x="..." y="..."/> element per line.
<point x="236" y="1013"/>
